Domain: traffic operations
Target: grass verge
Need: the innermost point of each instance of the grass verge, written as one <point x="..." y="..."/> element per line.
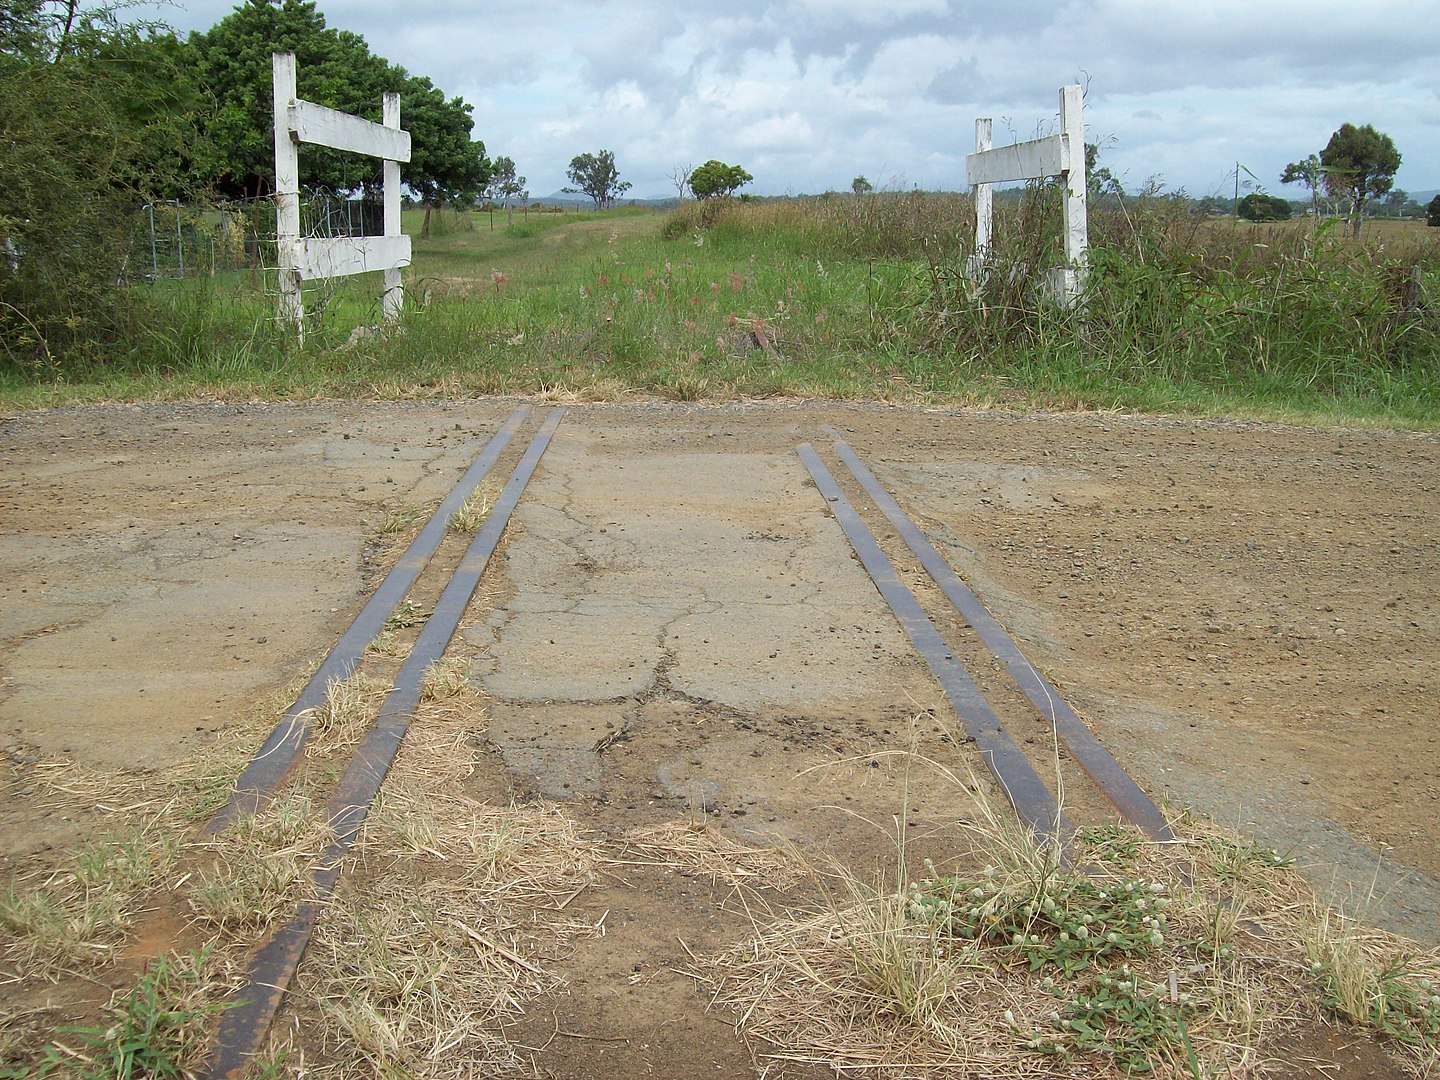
<point x="843" y="298"/>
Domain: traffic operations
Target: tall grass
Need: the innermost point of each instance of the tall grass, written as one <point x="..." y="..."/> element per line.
<point x="1171" y="300"/>
<point x="840" y="297"/>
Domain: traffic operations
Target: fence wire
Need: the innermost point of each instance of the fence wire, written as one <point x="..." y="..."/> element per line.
<point x="175" y="240"/>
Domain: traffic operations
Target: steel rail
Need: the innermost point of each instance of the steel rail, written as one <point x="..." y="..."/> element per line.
<point x="1027" y="793"/>
<point x="252" y="1007"/>
<point x="277" y="756"/>
<point x="1107" y="774"/>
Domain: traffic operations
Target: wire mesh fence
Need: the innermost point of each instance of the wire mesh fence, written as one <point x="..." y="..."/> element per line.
<point x="177" y="240"/>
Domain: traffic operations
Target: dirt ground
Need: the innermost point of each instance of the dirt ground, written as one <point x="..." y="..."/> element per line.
<point x="1246" y="614"/>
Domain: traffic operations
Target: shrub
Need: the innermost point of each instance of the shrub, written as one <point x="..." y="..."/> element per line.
<point x="1257" y="206"/>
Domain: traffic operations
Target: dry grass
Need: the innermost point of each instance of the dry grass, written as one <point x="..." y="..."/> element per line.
<point x="703" y="849"/>
<point x="475" y="509"/>
<point x="389" y="646"/>
<point x="1374" y="980"/>
<point x="260" y="868"/>
<point x="1190" y="959"/>
<point x="404" y="520"/>
<point x="157" y="1028"/>
<point x="349" y="711"/>
<point x="448" y="679"/>
<point x="450" y="923"/>
<point x="76" y="916"/>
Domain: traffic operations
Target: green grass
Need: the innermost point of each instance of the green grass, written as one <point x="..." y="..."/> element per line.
<point x="157" y="1029"/>
<point x="834" y="297"/>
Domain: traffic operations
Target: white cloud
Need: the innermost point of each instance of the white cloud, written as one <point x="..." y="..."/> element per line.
<point x="806" y="93"/>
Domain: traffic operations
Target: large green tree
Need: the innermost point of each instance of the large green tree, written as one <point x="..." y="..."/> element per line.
<point x="446" y="165"/>
<point x="715" y="180"/>
<point x="595" y="175"/>
<point x="96" y="121"/>
<point x="335" y="68"/>
<point x="1359" y="164"/>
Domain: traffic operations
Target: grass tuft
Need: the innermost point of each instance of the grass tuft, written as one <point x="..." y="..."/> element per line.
<point x="79" y="914"/>
<point x="473" y="511"/>
<point x="157" y="1029"/>
<point x="260" y="868"/>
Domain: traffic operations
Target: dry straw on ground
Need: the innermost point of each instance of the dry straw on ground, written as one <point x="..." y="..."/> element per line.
<point x="703" y="849"/>
<point x="449" y="922"/>
<point x="1189" y="959"/>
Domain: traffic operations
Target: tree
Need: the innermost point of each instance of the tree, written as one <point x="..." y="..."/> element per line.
<point x="680" y="177"/>
<point x="1309" y="172"/>
<point x="1257" y="206"/>
<point x="1432" y="212"/>
<point x="1098" y="179"/>
<point x="861" y="186"/>
<point x="1395" y="203"/>
<point x="504" y="184"/>
<point x="1360" y="163"/>
<point x="715" y="179"/>
<point x="595" y="175"/>
<point x="446" y="166"/>
<point x="336" y="68"/>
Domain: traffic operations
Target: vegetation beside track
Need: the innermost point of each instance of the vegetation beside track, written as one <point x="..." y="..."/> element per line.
<point x="838" y="297"/>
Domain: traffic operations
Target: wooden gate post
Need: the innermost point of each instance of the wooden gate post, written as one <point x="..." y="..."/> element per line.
<point x="287" y="196"/>
<point x="321" y="258"/>
<point x="393" y="296"/>
<point x="1077" y="235"/>
<point x="1062" y="155"/>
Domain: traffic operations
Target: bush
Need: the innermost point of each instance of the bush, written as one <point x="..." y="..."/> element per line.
<point x="1257" y="206"/>
<point x="87" y="137"/>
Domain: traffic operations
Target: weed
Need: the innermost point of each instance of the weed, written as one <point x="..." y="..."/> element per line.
<point x="387" y="643"/>
<point x="1365" y="980"/>
<point x="406" y="614"/>
<point x="852" y="298"/>
<point x="1131" y="966"/>
<point x="473" y="512"/>
<point x="445" y="679"/>
<point x="157" y="1029"/>
<point x="79" y="914"/>
<point x="403" y="520"/>
<point x="261" y="867"/>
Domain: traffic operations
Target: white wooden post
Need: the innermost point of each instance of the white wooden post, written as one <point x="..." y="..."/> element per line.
<point x="1062" y="155"/>
<point x="305" y="259"/>
<point x="393" y="296"/>
<point x="983" y="212"/>
<point x="287" y="195"/>
<point x="1077" y="238"/>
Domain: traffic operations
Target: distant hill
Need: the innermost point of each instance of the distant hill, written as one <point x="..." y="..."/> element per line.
<point x="1423" y="197"/>
<point x="566" y="199"/>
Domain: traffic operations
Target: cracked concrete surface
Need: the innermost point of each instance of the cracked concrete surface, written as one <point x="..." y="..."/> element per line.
<point x="713" y="578"/>
<point x="1245" y="613"/>
<point x="166" y="565"/>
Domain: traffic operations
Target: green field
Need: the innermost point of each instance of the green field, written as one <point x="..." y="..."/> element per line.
<point x="836" y="297"/>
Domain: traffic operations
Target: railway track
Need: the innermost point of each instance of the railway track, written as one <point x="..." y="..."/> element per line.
<point x="945" y="621"/>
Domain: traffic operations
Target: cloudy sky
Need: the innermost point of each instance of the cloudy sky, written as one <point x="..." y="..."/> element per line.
<point x="806" y="94"/>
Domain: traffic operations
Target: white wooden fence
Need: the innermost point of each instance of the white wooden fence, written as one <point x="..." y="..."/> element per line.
<point x="307" y="258"/>
<point x="1062" y="155"/>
